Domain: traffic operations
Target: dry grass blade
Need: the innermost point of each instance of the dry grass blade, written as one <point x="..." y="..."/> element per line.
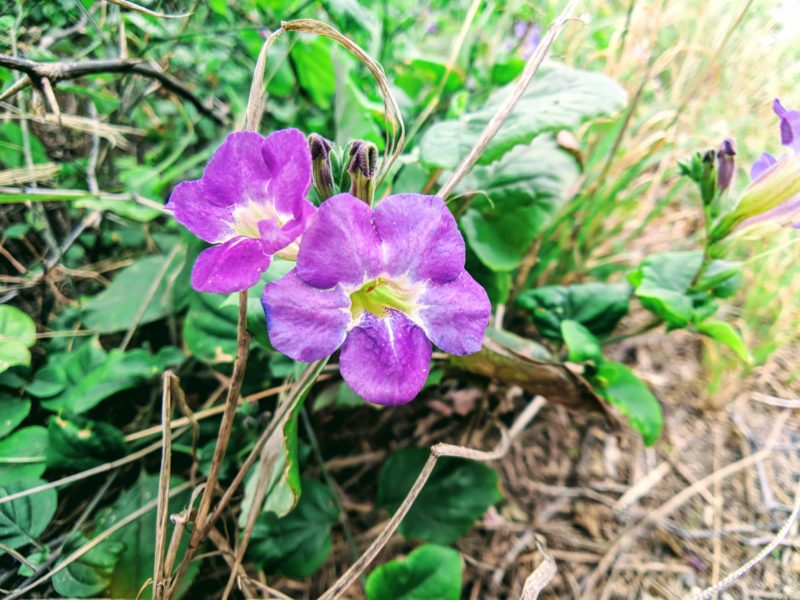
<point x="395" y="136"/>
<point x="114" y="134"/>
<point x="540" y="578"/>
<point x="532" y="66"/>
<point x="439" y="450"/>
<point x="762" y="554"/>
<point x="18" y="176"/>
<point x="147" y="11"/>
<point x="138" y="513"/>
<point x="170" y="383"/>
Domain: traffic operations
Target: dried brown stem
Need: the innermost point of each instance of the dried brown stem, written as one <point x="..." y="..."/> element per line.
<point x="226" y="426"/>
<point x="53" y="72"/>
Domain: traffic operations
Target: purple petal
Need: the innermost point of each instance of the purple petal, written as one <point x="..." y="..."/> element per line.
<point x="790" y="125"/>
<point x="304" y="322"/>
<point x="386" y="360"/>
<point x="275" y="238"/>
<point x="419" y="238"/>
<point x="209" y="222"/>
<point x="762" y="163"/>
<point x="230" y="267"/>
<point x="236" y="173"/>
<point x="288" y="158"/>
<point x="456" y="314"/>
<point x="340" y="244"/>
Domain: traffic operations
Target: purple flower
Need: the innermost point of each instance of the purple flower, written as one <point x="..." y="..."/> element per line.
<point x="774" y="190"/>
<point x="251" y="203"/>
<point x="382" y="284"/>
<point x="528" y="36"/>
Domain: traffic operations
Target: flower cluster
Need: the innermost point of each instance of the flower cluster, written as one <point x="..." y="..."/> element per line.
<point x="773" y="194"/>
<point x="382" y="284"/>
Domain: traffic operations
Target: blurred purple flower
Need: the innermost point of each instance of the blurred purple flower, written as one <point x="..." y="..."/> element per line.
<point x="774" y="190"/>
<point x="528" y="36"/>
<point x="251" y="203"/>
<point x="382" y="284"/>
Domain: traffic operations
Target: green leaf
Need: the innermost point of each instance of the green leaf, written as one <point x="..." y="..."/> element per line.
<point x="12" y="412"/>
<point x="315" y="69"/>
<point x="581" y="344"/>
<point x="136" y="561"/>
<point x="429" y="572"/>
<point x="89" y="375"/>
<point x="77" y="443"/>
<point x="299" y="543"/>
<point x="209" y="329"/>
<point x="619" y="386"/>
<point x="116" y="307"/>
<point x="457" y="494"/>
<point x="596" y="306"/>
<point x="17" y="334"/>
<point x="91" y="573"/>
<point x="23" y="454"/>
<point x="24" y="519"/>
<point x="517" y="197"/>
<point x="662" y="282"/>
<point x="283" y="489"/>
<point x="559" y="97"/>
<point x="725" y="334"/>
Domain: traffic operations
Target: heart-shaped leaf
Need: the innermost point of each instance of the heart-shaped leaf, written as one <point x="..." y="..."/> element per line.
<point x="457" y="494"/>
<point x="24" y="519"/>
<point x="428" y="572"/>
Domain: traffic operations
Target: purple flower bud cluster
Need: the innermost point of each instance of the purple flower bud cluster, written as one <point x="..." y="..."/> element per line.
<point x="383" y="284"/>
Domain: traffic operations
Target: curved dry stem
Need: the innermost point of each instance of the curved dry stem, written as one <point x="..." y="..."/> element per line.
<point x="438" y="451"/>
<point x="505" y="110"/>
<point x="395" y="127"/>
<point x="147" y="11"/>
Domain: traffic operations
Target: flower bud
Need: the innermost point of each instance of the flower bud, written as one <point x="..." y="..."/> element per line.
<point x="726" y="164"/>
<point x="321" y="165"/>
<point x="707" y="179"/>
<point x="363" y="169"/>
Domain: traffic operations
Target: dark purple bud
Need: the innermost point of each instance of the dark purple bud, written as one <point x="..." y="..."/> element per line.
<point x="362" y="170"/>
<point x="322" y="176"/>
<point x="726" y="164"/>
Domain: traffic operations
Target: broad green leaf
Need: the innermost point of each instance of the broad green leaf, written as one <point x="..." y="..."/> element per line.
<point x="24" y="519"/>
<point x="596" y="306"/>
<point x="23" y="454"/>
<point x="17" y="334"/>
<point x="312" y="57"/>
<point x="457" y="494"/>
<point x="91" y="573"/>
<point x="582" y="346"/>
<point x="429" y="572"/>
<point x="662" y="282"/>
<point x="516" y="198"/>
<point x="209" y="329"/>
<point x="136" y="561"/>
<point x="299" y="543"/>
<point x="619" y="386"/>
<point x="559" y="97"/>
<point x="89" y="375"/>
<point x="725" y="333"/>
<point x="116" y="307"/>
<point x="77" y="443"/>
<point x="12" y="412"/>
